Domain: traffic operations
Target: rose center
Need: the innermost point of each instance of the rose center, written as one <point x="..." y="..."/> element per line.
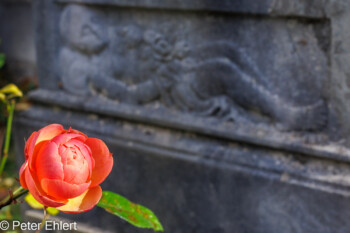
<point x="75" y="166"/>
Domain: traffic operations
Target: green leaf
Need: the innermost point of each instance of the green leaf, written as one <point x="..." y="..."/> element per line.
<point x="36" y="205"/>
<point x="2" y="97"/>
<point x="11" y="89"/>
<point x="135" y="214"/>
<point x="52" y="211"/>
<point x="32" y="202"/>
<point x="2" y="59"/>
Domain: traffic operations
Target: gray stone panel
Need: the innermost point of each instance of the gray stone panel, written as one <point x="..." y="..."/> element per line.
<point x="205" y="64"/>
<point x="225" y="116"/>
<point x="199" y="184"/>
<point x="17" y="39"/>
<point x="299" y="8"/>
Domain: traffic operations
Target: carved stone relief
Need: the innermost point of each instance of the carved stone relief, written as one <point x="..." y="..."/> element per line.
<point x="140" y="65"/>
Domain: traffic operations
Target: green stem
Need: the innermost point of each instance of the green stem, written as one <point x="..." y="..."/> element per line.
<point x="43" y="222"/>
<point x="19" y="192"/>
<point x="11" y="109"/>
<point x="10" y="198"/>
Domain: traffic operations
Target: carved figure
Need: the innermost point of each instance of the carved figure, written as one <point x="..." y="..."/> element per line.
<point x="219" y="79"/>
<point x="85" y="38"/>
<point x="137" y="66"/>
<point x="224" y="81"/>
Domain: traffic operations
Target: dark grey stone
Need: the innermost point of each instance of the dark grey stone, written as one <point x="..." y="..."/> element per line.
<point x="223" y="116"/>
<point x="201" y="184"/>
<point x="17" y="39"/>
<point x="76" y="227"/>
<point x="307" y="9"/>
<point x="131" y="58"/>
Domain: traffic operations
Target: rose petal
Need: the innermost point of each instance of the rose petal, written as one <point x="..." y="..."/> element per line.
<point x="44" y="134"/>
<point x="103" y="160"/>
<point x="84" y="202"/>
<point x="64" y="138"/>
<point x="70" y="130"/>
<point x="49" y="132"/>
<point x="48" y="162"/>
<point x="28" y="146"/>
<point x="85" y="151"/>
<point x="75" y="167"/>
<point x="62" y="189"/>
<point x="22" y="179"/>
<point x="34" y="154"/>
<point x="34" y="190"/>
<point x="76" y="174"/>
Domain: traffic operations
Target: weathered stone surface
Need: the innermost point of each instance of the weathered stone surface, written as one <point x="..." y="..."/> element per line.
<point x="222" y="116"/>
<point x="200" y="184"/>
<point x="301" y="142"/>
<point x="17" y="39"/>
<point x="56" y="223"/>
<point x="340" y="58"/>
<point x="303" y="8"/>
<point x="195" y="66"/>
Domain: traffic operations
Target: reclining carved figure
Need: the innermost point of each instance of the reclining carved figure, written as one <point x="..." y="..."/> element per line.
<point x="225" y="81"/>
<point x="138" y="66"/>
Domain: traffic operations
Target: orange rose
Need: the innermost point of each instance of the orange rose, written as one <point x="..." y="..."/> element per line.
<point x="63" y="168"/>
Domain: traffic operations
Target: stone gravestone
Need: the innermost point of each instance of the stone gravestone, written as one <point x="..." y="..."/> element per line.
<point x="223" y="116"/>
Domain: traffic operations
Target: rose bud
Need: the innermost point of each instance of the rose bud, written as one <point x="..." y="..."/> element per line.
<point x="63" y="168"/>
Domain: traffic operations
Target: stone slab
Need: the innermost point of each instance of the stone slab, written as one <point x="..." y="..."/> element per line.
<point x="300" y="8"/>
<point x="195" y="183"/>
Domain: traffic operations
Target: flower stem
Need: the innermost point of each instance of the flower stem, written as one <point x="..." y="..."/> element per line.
<point x="13" y="197"/>
<point x="43" y="222"/>
<point x="11" y="109"/>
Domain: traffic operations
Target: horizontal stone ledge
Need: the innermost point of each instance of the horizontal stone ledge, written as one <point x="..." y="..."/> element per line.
<point x="208" y="126"/>
<point x="15" y="1"/>
<point x="171" y="145"/>
<point x="296" y="8"/>
<point x="36" y="216"/>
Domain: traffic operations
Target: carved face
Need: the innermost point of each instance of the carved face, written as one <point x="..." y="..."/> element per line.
<point x="161" y="47"/>
<point x="83" y="29"/>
